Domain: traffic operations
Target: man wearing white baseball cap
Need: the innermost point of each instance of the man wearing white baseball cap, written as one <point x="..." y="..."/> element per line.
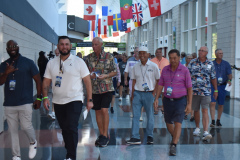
<point x="145" y="75"/>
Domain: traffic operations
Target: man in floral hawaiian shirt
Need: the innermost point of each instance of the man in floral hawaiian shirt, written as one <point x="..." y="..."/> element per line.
<point x="203" y="73"/>
<point x="102" y="68"/>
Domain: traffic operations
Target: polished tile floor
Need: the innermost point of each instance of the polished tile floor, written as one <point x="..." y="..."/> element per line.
<point x="224" y="145"/>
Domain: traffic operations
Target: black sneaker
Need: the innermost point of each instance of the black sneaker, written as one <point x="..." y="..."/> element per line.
<point x="219" y="124"/>
<point x="149" y="140"/>
<point x="173" y="150"/>
<point x="191" y="119"/>
<point x="112" y="111"/>
<point x="97" y="140"/>
<point x="212" y="124"/>
<point x="103" y="142"/>
<point x="134" y="141"/>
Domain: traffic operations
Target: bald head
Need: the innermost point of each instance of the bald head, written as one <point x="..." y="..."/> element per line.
<point x="12" y="49"/>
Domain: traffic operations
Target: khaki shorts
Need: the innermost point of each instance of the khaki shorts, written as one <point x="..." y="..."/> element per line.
<point x="204" y="101"/>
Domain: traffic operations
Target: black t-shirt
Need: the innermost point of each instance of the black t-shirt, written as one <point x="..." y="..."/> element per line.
<point x="122" y="66"/>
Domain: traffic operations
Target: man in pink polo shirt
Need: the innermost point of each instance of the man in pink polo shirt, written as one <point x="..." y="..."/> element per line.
<point x="176" y="80"/>
<point x="161" y="63"/>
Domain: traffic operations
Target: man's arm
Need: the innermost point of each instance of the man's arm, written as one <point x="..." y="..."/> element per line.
<point x="189" y="100"/>
<point x="214" y="83"/>
<point x="45" y="88"/>
<point x="9" y="69"/>
<point x="37" y="79"/>
<point x="229" y="78"/>
<point x="87" y="82"/>
<point x="158" y="89"/>
<point x="125" y="78"/>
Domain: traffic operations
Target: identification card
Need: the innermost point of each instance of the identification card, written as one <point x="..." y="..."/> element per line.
<point x="220" y="80"/>
<point x="58" y="81"/>
<point x="169" y="91"/>
<point x="12" y="85"/>
<point x="145" y="87"/>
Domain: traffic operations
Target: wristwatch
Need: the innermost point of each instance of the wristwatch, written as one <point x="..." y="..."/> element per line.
<point x="90" y="100"/>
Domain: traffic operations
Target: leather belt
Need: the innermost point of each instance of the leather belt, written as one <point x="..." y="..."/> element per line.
<point x="175" y="99"/>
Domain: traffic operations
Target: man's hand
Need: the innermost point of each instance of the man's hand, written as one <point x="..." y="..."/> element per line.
<point x="37" y="104"/>
<point x="102" y="76"/>
<point x="229" y="83"/>
<point x="10" y="68"/>
<point x="126" y="82"/>
<point x="188" y="109"/>
<point x="46" y="104"/>
<point x="132" y="98"/>
<point x="215" y="95"/>
<point x="92" y="76"/>
<point x="89" y="106"/>
<point x="155" y="104"/>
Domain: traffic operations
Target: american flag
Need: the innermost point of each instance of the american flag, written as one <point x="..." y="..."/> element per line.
<point x="137" y="14"/>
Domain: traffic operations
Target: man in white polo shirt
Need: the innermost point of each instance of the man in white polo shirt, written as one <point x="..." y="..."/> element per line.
<point x="66" y="73"/>
<point x="145" y="76"/>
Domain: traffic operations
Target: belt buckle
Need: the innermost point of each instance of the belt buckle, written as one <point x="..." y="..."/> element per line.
<point x="171" y="99"/>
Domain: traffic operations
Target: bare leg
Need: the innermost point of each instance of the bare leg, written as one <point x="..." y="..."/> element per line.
<point x="197" y="118"/>
<point x="220" y="110"/>
<point x="212" y="110"/>
<point x="205" y="119"/>
<point x="105" y="121"/>
<point x="177" y="132"/>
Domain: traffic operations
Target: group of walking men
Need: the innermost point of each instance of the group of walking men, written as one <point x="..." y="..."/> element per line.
<point x="182" y="88"/>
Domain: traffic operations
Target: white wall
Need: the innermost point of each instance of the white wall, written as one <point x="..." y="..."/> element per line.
<point x="48" y="10"/>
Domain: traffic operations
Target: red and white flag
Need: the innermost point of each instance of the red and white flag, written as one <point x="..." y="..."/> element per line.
<point x="101" y="28"/>
<point x="154" y="7"/>
<point x="110" y="16"/>
<point x="89" y="9"/>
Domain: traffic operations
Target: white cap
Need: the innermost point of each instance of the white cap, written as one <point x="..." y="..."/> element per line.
<point x="143" y="48"/>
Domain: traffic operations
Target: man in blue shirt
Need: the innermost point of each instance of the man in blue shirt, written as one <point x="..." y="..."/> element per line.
<point x="224" y="77"/>
<point x="17" y="73"/>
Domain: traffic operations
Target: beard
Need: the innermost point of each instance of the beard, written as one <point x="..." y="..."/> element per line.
<point x="13" y="56"/>
<point x="64" y="53"/>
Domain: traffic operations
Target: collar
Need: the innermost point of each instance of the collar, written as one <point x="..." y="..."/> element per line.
<point x="179" y="68"/>
<point x="198" y="60"/>
<point x="101" y="54"/>
<point x="70" y="57"/>
<point x="145" y="64"/>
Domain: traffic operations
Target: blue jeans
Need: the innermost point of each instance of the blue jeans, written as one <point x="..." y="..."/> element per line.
<point x="144" y="99"/>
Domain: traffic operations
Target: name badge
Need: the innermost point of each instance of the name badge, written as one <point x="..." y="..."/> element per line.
<point x="220" y="80"/>
<point x="145" y="87"/>
<point x="12" y="85"/>
<point x="169" y="91"/>
<point x="58" y="81"/>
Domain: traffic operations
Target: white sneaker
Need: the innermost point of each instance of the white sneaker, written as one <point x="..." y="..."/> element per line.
<point x="52" y="116"/>
<point x="141" y="119"/>
<point x="68" y="159"/>
<point x="196" y="132"/>
<point x="16" y="158"/>
<point x="127" y="97"/>
<point x="206" y="135"/>
<point x="120" y="99"/>
<point x="32" y="150"/>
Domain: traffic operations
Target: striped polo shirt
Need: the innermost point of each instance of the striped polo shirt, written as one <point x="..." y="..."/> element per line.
<point x="180" y="78"/>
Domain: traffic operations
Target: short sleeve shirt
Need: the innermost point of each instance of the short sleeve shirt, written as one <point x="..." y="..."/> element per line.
<point x="104" y="65"/>
<point x="148" y="73"/>
<point x="23" y="93"/>
<point x="122" y="66"/>
<point x="161" y="64"/>
<point x="71" y="87"/>
<point x="222" y="70"/>
<point x="130" y="65"/>
<point x="179" y="80"/>
<point x="201" y="75"/>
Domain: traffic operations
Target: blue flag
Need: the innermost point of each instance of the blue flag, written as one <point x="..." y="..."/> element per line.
<point x="117" y="22"/>
<point x="124" y="25"/>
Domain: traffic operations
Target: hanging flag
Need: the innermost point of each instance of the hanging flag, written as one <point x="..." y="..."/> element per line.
<point x="91" y="25"/>
<point x="89" y="9"/>
<point x="117" y="22"/>
<point x="110" y="16"/>
<point x="105" y="15"/>
<point x="154" y="7"/>
<point x="124" y="25"/>
<point x="137" y="14"/>
<point x="128" y="26"/>
<point x="110" y="31"/>
<point x="115" y="34"/>
<point x="126" y="9"/>
<point x="101" y="28"/>
<point x="96" y="24"/>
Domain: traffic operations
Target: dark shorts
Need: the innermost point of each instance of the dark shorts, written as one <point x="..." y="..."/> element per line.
<point x="174" y="110"/>
<point x="123" y="82"/>
<point x="221" y="94"/>
<point x="101" y="100"/>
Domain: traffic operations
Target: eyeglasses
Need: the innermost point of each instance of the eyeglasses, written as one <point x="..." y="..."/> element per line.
<point x="12" y="47"/>
<point x="201" y="50"/>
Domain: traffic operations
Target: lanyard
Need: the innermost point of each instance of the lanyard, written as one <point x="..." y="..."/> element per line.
<point x="142" y="72"/>
<point x="60" y="66"/>
<point x="15" y="66"/>
<point x="173" y="75"/>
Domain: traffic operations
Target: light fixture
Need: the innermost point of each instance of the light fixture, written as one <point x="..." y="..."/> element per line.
<point x="168" y="20"/>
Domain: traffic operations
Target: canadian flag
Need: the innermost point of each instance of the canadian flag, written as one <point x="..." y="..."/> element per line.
<point x="89" y="9"/>
<point x="154" y="7"/>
